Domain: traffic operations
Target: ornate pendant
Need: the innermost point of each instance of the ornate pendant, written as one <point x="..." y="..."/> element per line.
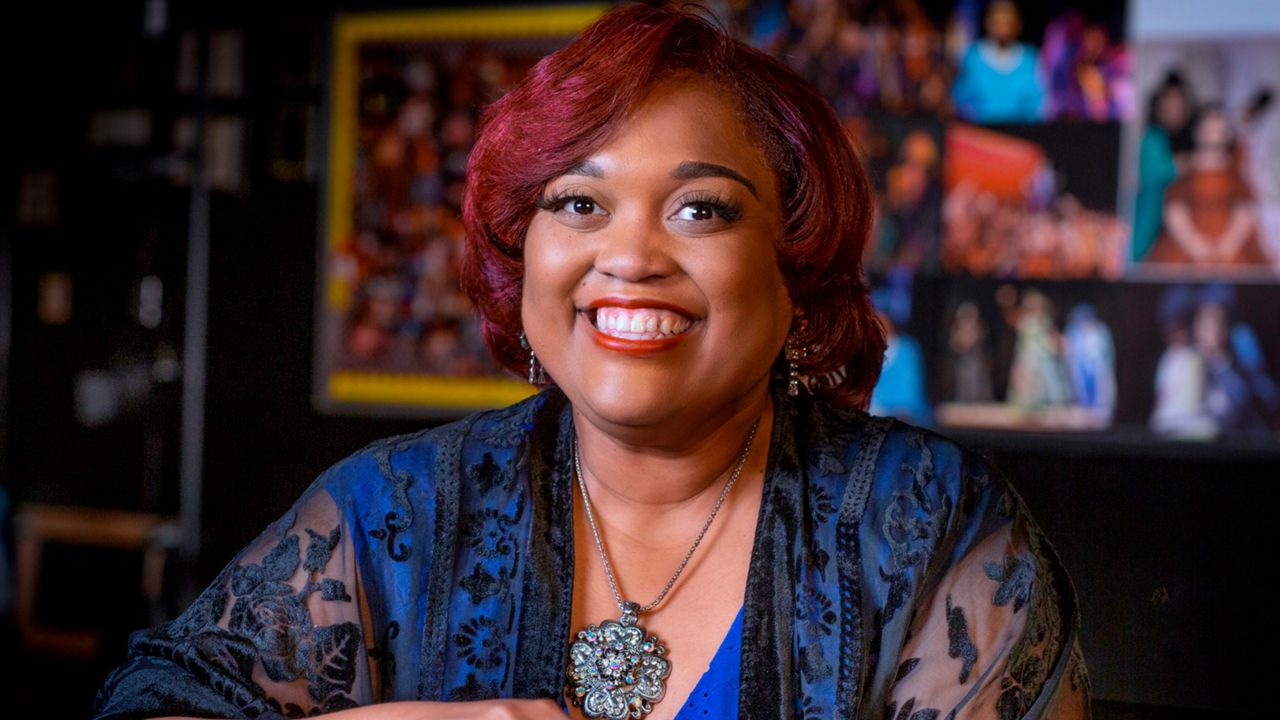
<point x="615" y="671"/>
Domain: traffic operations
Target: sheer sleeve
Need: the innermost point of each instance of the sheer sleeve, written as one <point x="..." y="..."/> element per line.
<point x="996" y="636"/>
<point x="278" y="633"/>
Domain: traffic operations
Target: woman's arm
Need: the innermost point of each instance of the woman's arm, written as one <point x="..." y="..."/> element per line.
<point x="480" y="710"/>
<point x="993" y="632"/>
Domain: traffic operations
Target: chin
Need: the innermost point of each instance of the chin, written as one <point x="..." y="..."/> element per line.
<point x="634" y="402"/>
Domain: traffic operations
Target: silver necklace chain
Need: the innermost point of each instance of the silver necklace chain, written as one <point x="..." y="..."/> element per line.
<point x="595" y="530"/>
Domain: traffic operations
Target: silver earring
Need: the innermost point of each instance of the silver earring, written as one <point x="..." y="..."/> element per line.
<point x="795" y="354"/>
<point x="537" y="376"/>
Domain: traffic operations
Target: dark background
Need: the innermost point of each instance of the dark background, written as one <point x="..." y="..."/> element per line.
<point x="1170" y="546"/>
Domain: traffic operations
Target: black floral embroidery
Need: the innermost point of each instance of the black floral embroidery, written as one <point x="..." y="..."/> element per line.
<point x="908" y="711"/>
<point x="480" y="643"/>
<point x="813" y="663"/>
<point x="269" y="614"/>
<point x="506" y="428"/>
<point x="335" y="652"/>
<point x="1016" y="579"/>
<point x="488" y="532"/>
<point x="815" y="611"/>
<point x="203" y="614"/>
<point x="473" y="689"/>
<point x="912" y="523"/>
<point x="487" y="475"/>
<point x="822" y="503"/>
<point x="269" y="621"/>
<point x="905" y="668"/>
<point x="1019" y="687"/>
<point x="386" y="659"/>
<point x="400" y="519"/>
<point x="480" y="584"/>
<point x="812" y="709"/>
<point x="961" y="646"/>
<point x="899" y="586"/>
<point x="1032" y="657"/>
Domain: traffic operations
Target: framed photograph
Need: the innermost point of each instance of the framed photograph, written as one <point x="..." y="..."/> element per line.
<point x="1028" y="355"/>
<point x="1200" y="361"/>
<point x="396" y="334"/>
<point x="1024" y="201"/>
<point x="1203" y="163"/>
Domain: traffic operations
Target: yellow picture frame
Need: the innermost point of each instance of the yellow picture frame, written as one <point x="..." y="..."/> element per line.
<point x="368" y="370"/>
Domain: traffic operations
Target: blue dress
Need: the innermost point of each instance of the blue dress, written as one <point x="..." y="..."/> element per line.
<point x="994" y="86"/>
<point x="892" y="575"/>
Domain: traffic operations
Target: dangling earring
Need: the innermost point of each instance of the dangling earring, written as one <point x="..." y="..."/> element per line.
<point x="537" y="376"/>
<point x="795" y="354"/>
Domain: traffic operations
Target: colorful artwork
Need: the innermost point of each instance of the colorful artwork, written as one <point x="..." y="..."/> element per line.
<point x="1206" y="191"/>
<point x="395" y="329"/>
<point x="1024" y="202"/>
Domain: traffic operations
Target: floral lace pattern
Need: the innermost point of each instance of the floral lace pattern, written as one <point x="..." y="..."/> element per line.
<point x="439" y="566"/>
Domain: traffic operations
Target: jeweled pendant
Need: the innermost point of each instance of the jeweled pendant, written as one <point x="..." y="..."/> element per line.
<point x="615" y="671"/>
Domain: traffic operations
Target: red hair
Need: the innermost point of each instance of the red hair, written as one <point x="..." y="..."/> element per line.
<point x="574" y="100"/>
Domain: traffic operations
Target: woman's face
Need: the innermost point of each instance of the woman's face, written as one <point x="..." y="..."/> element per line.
<point x="652" y="294"/>
<point x="1171" y="109"/>
<point x="1213" y="132"/>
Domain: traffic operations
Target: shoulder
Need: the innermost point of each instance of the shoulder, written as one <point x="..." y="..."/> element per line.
<point x="883" y="458"/>
<point x="890" y="442"/>
<point x="413" y="465"/>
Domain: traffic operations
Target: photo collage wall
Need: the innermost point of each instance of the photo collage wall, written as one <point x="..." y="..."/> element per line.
<point x="1079" y="219"/>
<point x="1079" y="205"/>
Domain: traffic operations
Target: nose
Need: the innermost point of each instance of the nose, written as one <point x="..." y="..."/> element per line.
<point x="634" y="249"/>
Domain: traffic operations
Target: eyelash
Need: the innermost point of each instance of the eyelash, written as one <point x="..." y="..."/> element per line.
<point x="552" y="203"/>
<point x="723" y="206"/>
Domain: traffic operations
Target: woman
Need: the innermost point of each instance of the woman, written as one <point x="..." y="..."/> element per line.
<point x="1210" y="218"/>
<point x="654" y="213"/>
<point x="1167" y="118"/>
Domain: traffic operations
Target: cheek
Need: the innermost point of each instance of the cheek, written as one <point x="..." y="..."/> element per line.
<point x="548" y="263"/>
<point x="552" y="270"/>
<point x="751" y="290"/>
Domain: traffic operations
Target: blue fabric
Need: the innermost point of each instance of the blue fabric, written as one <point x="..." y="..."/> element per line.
<point x="716" y="694"/>
<point x="439" y="566"/>
<point x="986" y="93"/>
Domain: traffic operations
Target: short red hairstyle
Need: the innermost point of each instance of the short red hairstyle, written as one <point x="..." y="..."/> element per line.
<point x="574" y="100"/>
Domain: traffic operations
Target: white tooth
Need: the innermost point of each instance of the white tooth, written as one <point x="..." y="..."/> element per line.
<point x="665" y="326"/>
<point x="613" y="321"/>
<point x="651" y="324"/>
<point x="637" y="324"/>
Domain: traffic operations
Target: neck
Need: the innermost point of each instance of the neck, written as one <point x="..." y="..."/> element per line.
<point x="653" y="472"/>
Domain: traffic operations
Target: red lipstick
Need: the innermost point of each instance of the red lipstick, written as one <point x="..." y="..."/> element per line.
<point x="627" y="346"/>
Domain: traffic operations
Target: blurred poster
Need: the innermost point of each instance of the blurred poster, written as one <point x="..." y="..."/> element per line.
<point x="1203" y="159"/>
<point x="1028" y="356"/>
<point x="1032" y="201"/>
<point x="1202" y="361"/>
<point x="984" y="61"/>
<point x="902" y="390"/>
<point x="395" y="329"/>
<point x="904" y="159"/>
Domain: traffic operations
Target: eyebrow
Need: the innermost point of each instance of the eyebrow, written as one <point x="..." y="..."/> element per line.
<point x="692" y="169"/>
<point x="586" y="168"/>
<point x="688" y="170"/>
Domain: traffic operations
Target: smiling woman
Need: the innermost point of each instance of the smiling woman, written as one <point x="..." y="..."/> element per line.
<point x="694" y="517"/>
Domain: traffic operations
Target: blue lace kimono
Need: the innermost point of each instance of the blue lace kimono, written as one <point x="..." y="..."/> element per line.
<point x="440" y="566"/>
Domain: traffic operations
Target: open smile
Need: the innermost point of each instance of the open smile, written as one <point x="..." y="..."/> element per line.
<point x="637" y="326"/>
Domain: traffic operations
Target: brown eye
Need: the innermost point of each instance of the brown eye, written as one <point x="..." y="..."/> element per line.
<point x="697" y="212"/>
<point x="581" y="206"/>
